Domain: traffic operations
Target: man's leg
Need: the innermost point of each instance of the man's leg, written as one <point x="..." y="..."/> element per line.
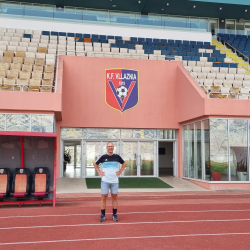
<point x="103" y="201"/>
<point x="114" y="201"/>
<point x="114" y="194"/>
<point x="104" y="191"/>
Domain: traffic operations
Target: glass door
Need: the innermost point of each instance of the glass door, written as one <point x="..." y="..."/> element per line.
<point x="130" y="155"/>
<point x="93" y="152"/>
<point x="72" y="159"/>
<point x="147" y="156"/>
<point x="140" y="158"/>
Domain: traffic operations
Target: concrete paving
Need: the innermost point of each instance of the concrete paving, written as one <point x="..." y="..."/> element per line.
<point x="78" y="185"/>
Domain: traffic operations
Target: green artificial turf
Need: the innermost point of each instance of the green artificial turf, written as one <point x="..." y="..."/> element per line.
<point x="137" y="182"/>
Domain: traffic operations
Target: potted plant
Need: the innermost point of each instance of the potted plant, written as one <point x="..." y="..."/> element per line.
<point x="242" y="170"/>
<point x="217" y="168"/>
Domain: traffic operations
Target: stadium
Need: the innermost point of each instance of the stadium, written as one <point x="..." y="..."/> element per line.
<point x="167" y="82"/>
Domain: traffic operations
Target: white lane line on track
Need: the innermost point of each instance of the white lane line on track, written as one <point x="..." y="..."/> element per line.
<point x="155" y="212"/>
<point x="123" y="238"/>
<point x="124" y="223"/>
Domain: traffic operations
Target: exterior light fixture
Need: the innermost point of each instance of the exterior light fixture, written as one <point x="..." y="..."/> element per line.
<point x="139" y="1"/>
<point x="245" y="10"/>
<point x="162" y="9"/>
<point x="220" y="8"/>
<point x="167" y="4"/>
<point x="194" y="6"/>
<point x="113" y="5"/>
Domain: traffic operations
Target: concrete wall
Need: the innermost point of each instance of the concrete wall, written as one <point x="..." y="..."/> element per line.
<point x="102" y="29"/>
<point x="222" y="186"/>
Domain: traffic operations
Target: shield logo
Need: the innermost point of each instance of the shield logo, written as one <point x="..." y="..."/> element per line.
<point x="1" y="171"/>
<point x="21" y="171"/>
<point x="40" y="170"/>
<point x="121" y="88"/>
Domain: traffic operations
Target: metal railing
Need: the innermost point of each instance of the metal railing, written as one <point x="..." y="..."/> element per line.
<point x="232" y="31"/>
<point x="121" y="55"/>
<point x="77" y="15"/>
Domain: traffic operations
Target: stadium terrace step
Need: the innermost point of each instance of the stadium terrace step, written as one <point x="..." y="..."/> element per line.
<point x="230" y="55"/>
<point x="243" y="64"/>
<point x="225" y="51"/>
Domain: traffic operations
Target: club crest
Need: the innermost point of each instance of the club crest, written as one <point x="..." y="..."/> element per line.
<point x="40" y="170"/>
<point x="122" y="92"/>
<point x="21" y="171"/>
<point x="1" y="171"/>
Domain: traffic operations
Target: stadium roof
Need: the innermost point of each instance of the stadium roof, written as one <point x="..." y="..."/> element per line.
<point x="228" y="9"/>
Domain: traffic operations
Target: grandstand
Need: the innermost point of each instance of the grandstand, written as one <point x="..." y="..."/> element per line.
<point x="183" y="112"/>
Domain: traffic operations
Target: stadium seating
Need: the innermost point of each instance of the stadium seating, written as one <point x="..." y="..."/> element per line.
<point x="227" y="78"/>
<point x="4" y="182"/>
<point x="23" y="53"/>
<point x="40" y="182"/>
<point x="20" y="183"/>
<point x="28" y="58"/>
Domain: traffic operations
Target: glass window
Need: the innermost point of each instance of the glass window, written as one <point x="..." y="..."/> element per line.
<point x="2" y="122"/>
<point x="247" y="27"/>
<point x="214" y="24"/>
<point x="138" y="134"/>
<point x="166" y="134"/>
<point x="92" y="133"/>
<point x="71" y="133"/>
<point x="238" y="149"/>
<point x="191" y="150"/>
<point x="185" y="151"/>
<point x="240" y="25"/>
<point x="198" y="161"/>
<point x="230" y="24"/>
<point x="42" y="123"/>
<point x="206" y="150"/>
<point x="16" y="122"/>
<point x="219" y="149"/>
<point x="10" y="152"/>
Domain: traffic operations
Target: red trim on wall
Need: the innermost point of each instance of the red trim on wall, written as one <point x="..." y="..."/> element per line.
<point x="22" y="151"/>
<point x="27" y="134"/>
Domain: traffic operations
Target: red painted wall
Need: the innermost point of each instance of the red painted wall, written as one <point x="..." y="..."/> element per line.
<point x="168" y="97"/>
<point x="83" y="91"/>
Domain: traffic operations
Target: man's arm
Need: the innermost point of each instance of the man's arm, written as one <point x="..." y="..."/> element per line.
<point x="122" y="168"/>
<point x="98" y="170"/>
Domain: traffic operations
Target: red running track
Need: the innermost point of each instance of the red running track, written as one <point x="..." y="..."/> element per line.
<point x="147" y="222"/>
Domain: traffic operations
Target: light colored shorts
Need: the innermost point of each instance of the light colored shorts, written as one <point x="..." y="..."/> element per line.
<point x="105" y="186"/>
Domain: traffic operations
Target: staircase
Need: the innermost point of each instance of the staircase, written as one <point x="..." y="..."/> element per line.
<point x="230" y="54"/>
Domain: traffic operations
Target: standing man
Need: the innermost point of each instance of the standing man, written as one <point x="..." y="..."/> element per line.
<point x="110" y="165"/>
